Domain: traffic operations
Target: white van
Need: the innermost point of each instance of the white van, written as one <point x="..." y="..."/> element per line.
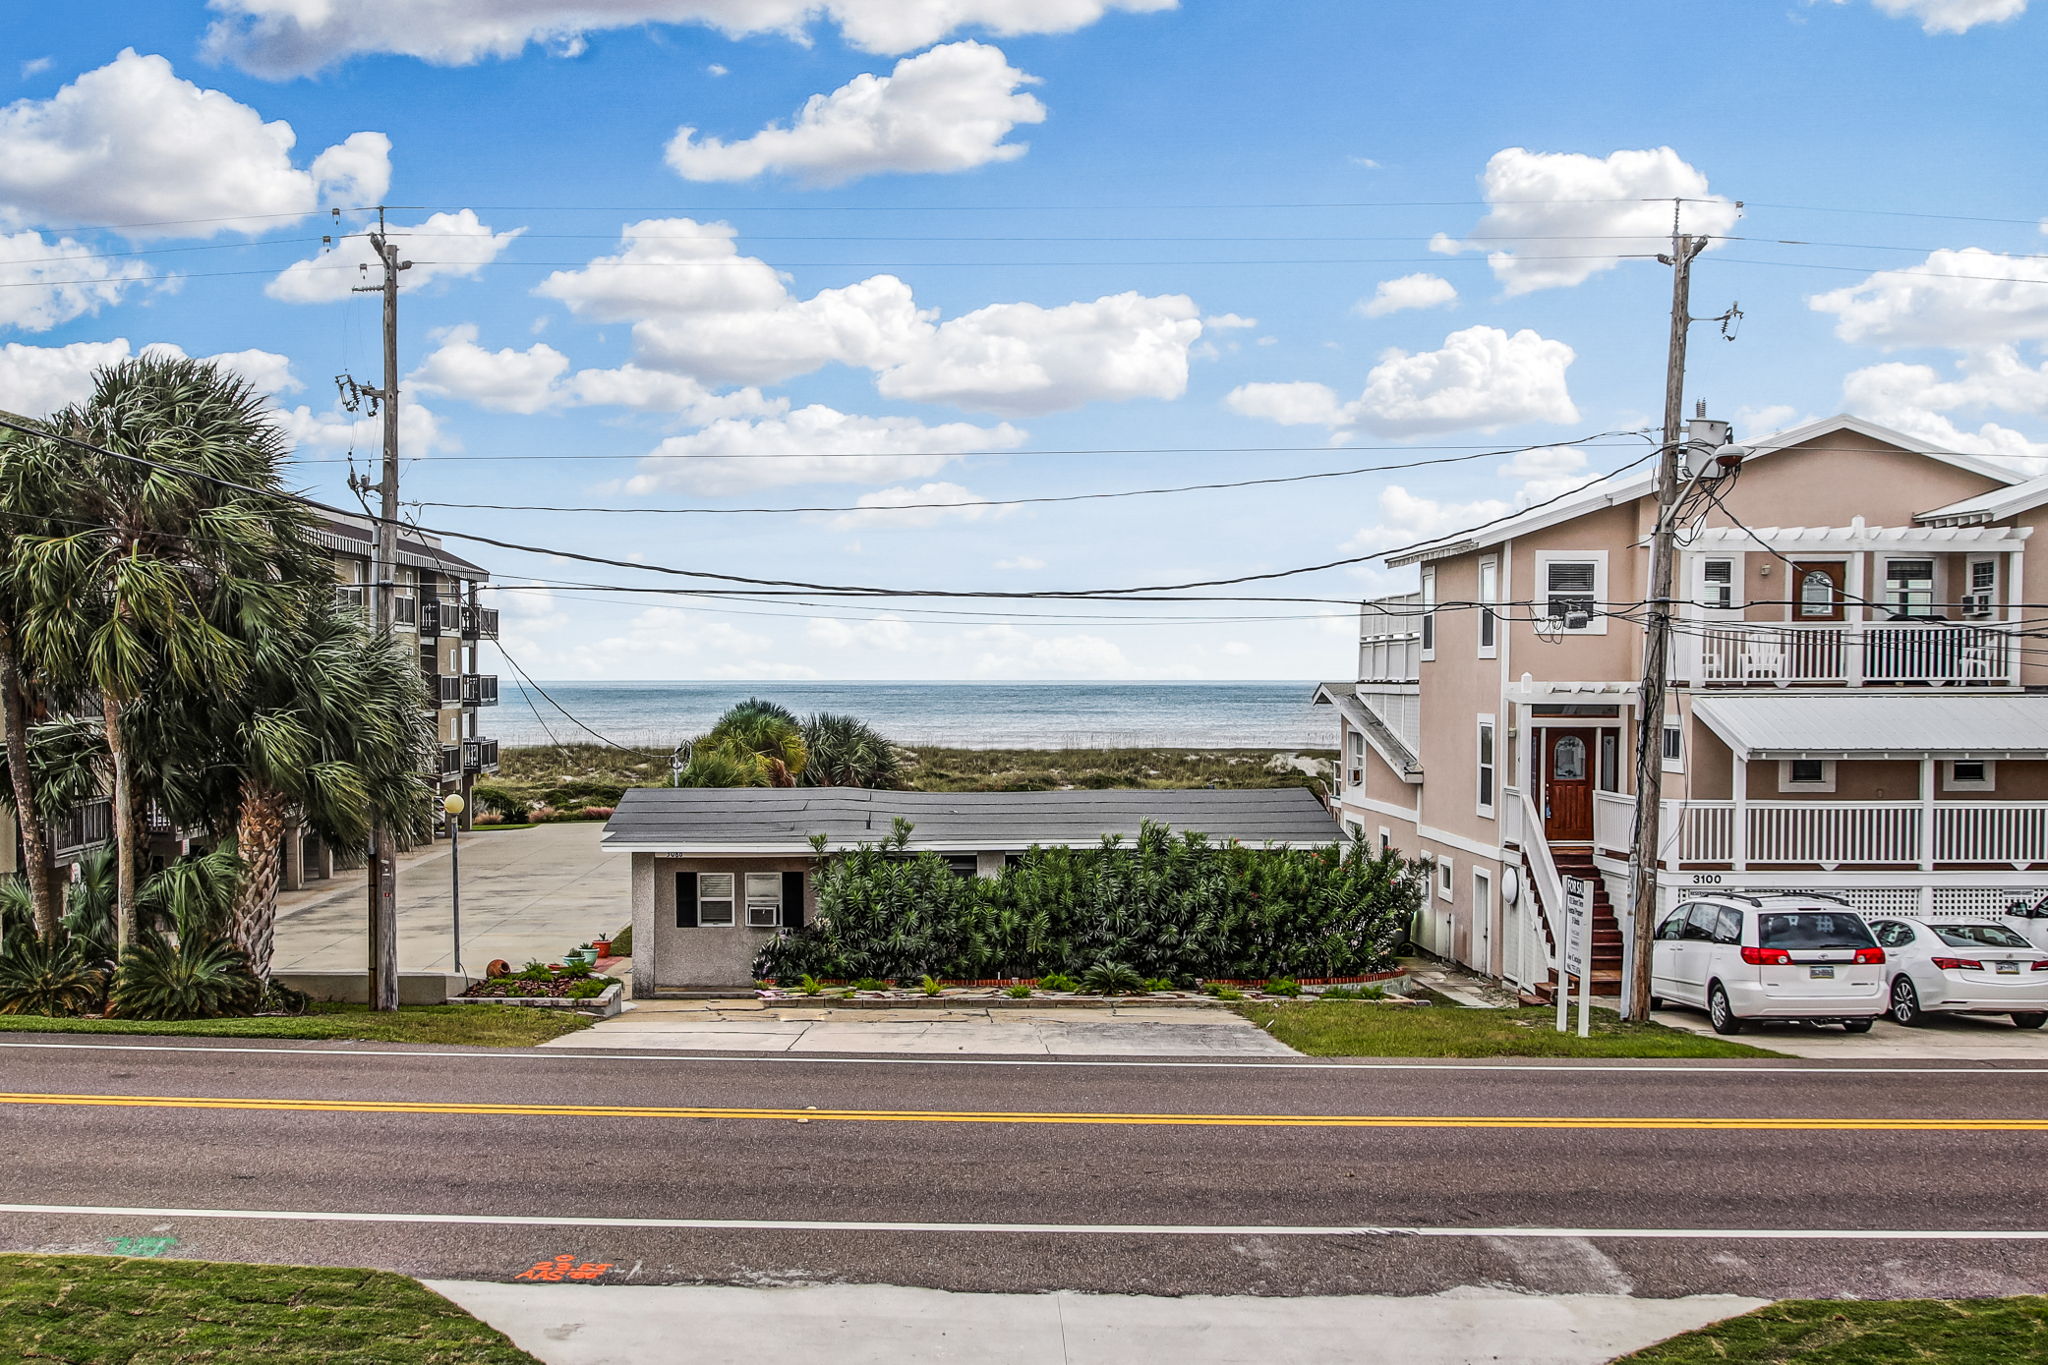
<point x="1772" y="956"/>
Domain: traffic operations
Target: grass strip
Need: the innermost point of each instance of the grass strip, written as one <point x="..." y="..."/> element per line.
<point x="1866" y="1332"/>
<point x="445" y="1025"/>
<point x="1362" y="1028"/>
<point x="116" y="1310"/>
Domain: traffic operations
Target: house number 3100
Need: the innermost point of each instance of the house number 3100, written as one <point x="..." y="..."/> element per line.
<point x="1706" y="879"/>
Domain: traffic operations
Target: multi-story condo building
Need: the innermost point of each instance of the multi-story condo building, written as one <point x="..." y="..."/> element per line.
<point x="1858" y="701"/>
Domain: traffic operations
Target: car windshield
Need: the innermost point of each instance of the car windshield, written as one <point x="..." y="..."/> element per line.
<point x="1978" y="936"/>
<point x="1798" y="929"/>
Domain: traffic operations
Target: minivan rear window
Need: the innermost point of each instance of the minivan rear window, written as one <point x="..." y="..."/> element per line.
<point x="1800" y="929"/>
<point x="1978" y="936"/>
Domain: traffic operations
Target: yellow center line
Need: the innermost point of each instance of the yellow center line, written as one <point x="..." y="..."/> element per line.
<point x="627" y="1111"/>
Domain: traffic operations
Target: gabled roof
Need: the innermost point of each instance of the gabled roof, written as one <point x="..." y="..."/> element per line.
<point x="1996" y="505"/>
<point x="771" y="821"/>
<point x="1628" y="488"/>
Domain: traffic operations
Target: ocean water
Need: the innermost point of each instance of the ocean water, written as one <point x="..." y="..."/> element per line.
<point x="963" y="715"/>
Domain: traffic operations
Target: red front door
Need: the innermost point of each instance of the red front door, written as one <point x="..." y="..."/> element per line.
<point x="1568" y="785"/>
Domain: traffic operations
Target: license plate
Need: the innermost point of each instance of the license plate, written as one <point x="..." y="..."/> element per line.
<point x="1822" y="973"/>
<point x="2007" y="968"/>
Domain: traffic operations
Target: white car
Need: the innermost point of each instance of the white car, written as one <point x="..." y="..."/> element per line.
<point x="1774" y="956"/>
<point x="1960" y="967"/>
<point x="2029" y="919"/>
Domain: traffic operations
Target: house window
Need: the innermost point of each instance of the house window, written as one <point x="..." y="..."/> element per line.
<point x="1572" y="586"/>
<point x="1486" y="766"/>
<point x="714" y="899"/>
<point x="1446" y="884"/>
<point x="1386" y="838"/>
<point x="1982" y="598"/>
<point x="1909" y="587"/>
<point x="1806" y="775"/>
<point x="1717" y="584"/>
<point x="1489" y="621"/>
<point x="1674" y="748"/>
<point x="1429" y="613"/>
<point x="1354" y="830"/>
<point x="1356" y="757"/>
<point x="1610" y="760"/>
<point x="1969" y="775"/>
<point x="1819" y="592"/>
<point x="764" y="900"/>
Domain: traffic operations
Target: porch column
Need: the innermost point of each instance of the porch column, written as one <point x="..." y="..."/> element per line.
<point x="1852" y="610"/>
<point x="1927" y="767"/>
<point x="1738" y="818"/>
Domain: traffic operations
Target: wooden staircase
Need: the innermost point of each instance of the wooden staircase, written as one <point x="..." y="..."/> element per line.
<point x="1605" y="958"/>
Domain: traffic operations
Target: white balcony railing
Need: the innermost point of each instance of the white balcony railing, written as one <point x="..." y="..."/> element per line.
<point x="1614" y="820"/>
<point x="1853" y="653"/>
<point x="1834" y="834"/>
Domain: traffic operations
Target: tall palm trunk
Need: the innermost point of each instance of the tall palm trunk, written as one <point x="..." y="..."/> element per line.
<point x="124" y="827"/>
<point x="35" y="847"/>
<point x="259" y="838"/>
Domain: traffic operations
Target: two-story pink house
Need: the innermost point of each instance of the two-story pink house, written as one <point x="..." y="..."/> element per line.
<point x="1859" y="699"/>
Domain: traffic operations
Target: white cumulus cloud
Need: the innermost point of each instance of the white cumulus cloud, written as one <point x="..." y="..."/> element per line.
<point x="1420" y="290"/>
<point x="503" y="380"/>
<point x="37" y="380"/>
<point x="1919" y="400"/>
<point x="1951" y="16"/>
<point x="445" y="246"/>
<point x="294" y="37"/>
<point x="814" y="444"/>
<point x="1966" y="297"/>
<point x="133" y="144"/>
<point x="45" y="283"/>
<point x="1559" y="218"/>
<point x="927" y="504"/>
<point x="948" y="109"/>
<point x="1482" y="379"/>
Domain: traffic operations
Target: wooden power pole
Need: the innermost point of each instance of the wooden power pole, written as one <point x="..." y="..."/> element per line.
<point x="1644" y="849"/>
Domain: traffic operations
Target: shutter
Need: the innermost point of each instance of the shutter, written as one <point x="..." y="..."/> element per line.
<point x="792" y="900"/>
<point x="686" y="900"/>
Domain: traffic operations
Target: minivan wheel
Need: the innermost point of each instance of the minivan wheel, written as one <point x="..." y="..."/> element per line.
<point x="1656" y="1002"/>
<point x="2029" y="1020"/>
<point x="1719" y="1011"/>
<point x="1858" y="1025"/>
<point x="1905" y="1003"/>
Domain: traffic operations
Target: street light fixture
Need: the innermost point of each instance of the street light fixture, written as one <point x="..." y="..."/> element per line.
<point x="452" y="806"/>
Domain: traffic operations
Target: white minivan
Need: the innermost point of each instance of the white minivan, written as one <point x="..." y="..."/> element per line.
<point x="1771" y="956"/>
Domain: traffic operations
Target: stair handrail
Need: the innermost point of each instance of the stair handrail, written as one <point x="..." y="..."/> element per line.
<point x="1547" y="883"/>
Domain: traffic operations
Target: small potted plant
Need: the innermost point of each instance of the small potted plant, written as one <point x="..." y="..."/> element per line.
<point x="587" y="954"/>
<point x="602" y="947"/>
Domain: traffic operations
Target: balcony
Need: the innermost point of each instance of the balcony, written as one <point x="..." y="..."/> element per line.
<point x="478" y="622"/>
<point x="1390" y="640"/>
<point x="1879" y="835"/>
<point x="89" y="825"/>
<point x="445" y="688"/>
<point x="479" y="755"/>
<point x="479" y="689"/>
<point x="1853" y="654"/>
<point x="448" y="761"/>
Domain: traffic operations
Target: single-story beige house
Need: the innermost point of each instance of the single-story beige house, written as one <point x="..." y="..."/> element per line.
<point x="718" y="871"/>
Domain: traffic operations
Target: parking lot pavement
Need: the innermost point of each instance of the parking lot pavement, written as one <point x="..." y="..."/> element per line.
<point x="1943" y="1037"/>
<point x="755" y="1026"/>
<point x="858" y="1324"/>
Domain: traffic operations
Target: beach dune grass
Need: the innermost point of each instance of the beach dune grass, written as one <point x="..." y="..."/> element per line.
<point x="104" y="1310"/>
<point x="1359" y="1028"/>
<point x="1866" y="1332"/>
<point x="441" y="1025"/>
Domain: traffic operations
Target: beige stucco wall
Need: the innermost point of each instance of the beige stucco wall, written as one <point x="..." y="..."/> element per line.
<point x="709" y="956"/>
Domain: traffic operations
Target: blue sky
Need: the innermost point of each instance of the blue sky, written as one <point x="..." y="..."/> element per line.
<point x="905" y="253"/>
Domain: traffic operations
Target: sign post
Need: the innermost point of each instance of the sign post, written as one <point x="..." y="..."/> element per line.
<point x="1578" y="924"/>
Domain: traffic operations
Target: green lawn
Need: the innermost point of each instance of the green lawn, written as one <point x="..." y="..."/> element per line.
<point x="1355" y="1028"/>
<point x="111" y="1310"/>
<point x="466" y="1025"/>
<point x="1834" y="1332"/>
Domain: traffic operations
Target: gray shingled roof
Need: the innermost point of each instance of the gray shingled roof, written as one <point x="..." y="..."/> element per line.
<point x="767" y="820"/>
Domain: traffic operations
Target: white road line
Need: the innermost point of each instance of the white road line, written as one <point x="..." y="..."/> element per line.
<point x="1675" y="1066"/>
<point x="1048" y="1229"/>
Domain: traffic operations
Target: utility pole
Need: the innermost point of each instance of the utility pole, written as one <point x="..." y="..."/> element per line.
<point x="383" y="907"/>
<point x="1643" y="851"/>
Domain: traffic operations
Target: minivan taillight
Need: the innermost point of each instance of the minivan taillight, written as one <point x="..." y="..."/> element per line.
<point x="1767" y="957"/>
<point x="1958" y="964"/>
<point x="1875" y="955"/>
<point x="2042" y="965"/>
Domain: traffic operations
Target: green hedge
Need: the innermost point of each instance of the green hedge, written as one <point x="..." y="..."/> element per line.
<point x="1166" y="905"/>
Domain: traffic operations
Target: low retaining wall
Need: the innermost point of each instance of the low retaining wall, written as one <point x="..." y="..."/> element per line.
<point x="353" y="988"/>
<point x="605" y="1005"/>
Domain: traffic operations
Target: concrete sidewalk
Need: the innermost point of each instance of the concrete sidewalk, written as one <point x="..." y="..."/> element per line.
<point x="1132" y="1030"/>
<point x="526" y="893"/>
<point x="883" y="1325"/>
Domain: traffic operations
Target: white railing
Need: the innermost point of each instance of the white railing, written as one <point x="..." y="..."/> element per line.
<point x="1854" y="653"/>
<point x="1834" y="834"/>
<point x="1614" y="820"/>
<point x="1390" y="639"/>
<point x="1547" y="885"/>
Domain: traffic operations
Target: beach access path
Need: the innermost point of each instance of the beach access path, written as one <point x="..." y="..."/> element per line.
<point x="526" y="894"/>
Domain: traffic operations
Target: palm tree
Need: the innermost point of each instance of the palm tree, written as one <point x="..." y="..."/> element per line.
<point x="843" y="751"/>
<point x="17" y="704"/>
<point x="711" y="767"/>
<point x="763" y="732"/>
<point x="157" y="552"/>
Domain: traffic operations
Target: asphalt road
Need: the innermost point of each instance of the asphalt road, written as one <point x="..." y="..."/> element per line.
<point x="1236" y="1177"/>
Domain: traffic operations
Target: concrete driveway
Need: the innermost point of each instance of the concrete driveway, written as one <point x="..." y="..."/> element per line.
<point x="1944" y="1037"/>
<point x="526" y="893"/>
<point x="1132" y="1030"/>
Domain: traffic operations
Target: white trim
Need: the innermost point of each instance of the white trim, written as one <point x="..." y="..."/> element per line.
<point x="730" y="900"/>
<point x="1427" y="623"/>
<point x="1491" y="852"/>
<point x="1826" y="783"/>
<point x="1488" y="594"/>
<point x="1485" y="771"/>
<point x="1951" y="783"/>
<point x="1446" y="875"/>
<point x="1540" y="591"/>
<point x="1672" y="724"/>
<point x="748" y="888"/>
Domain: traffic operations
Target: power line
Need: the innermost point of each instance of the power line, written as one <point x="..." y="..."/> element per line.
<point x="963" y="454"/>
